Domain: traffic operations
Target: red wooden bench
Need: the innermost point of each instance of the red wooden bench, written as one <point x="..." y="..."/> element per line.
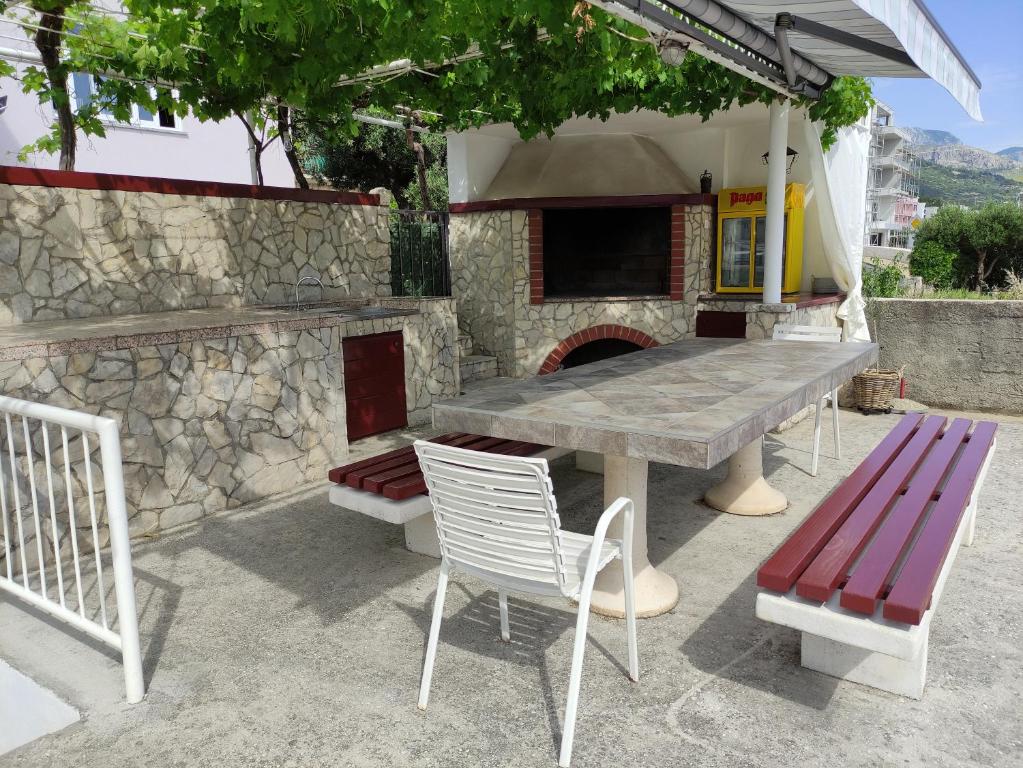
<point x="861" y="577"/>
<point x="390" y="486"/>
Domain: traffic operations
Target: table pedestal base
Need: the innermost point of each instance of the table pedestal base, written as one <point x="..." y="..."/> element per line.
<point x="656" y="591"/>
<point x="745" y="491"/>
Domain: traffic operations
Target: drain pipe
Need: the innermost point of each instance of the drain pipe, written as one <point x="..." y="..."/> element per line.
<point x="722" y="20"/>
<point x="782" y="25"/>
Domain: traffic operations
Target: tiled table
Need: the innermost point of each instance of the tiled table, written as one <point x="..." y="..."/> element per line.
<point x="693" y="403"/>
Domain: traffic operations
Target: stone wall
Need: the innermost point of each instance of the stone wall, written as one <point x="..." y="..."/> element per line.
<point x="211" y="421"/>
<point x="490" y="280"/>
<point x="68" y="252"/>
<point x="486" y="250"/>
<point x="957" y="354"/>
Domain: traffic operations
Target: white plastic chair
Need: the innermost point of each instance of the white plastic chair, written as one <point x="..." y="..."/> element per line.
<point x="497" y="520"/>
<point x="785" y="332"/>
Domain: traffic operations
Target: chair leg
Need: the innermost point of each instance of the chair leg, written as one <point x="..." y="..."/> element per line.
<point x="568" y="733"/>
<point x="834" y="423"/>
<point x="502" y="604"/>
<point x="431" y="646"/>
<point x="816" y="437"/>
<point x="630" y="611"/>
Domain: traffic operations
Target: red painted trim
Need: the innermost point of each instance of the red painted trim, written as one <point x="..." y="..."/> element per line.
<point x="41" y="177"/>
<point x="535" y="221"/>
<point x="627" y="201"/>
<point x="677" y="258"/>
<point x="594" y="333"/>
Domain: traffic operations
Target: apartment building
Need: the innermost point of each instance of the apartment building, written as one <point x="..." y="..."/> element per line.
<point x="892" y="188"/>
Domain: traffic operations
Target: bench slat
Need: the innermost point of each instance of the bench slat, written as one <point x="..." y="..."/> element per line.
<point x="830" y="567"/>
<point x="338" y="474"/>
<point x="911" y="594"/>
<point x="878" y="563"/>
<point x="376" y="480"/>
<point x="407" y="487"/>
<point x="359" y="477"/>
<point x="789" y="561"/>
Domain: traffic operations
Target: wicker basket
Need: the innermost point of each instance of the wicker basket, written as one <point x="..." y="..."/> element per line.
<point x="875" y="388"/>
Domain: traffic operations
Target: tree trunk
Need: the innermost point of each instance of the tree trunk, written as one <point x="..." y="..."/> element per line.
<point x="417" y="147"/>
<point x="284" y="131"/>
<point x="256" y="147"/>
<point x="981" y="257"/>
<point x="47" y="40"/>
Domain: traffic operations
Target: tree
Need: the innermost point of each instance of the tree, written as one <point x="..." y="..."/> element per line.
<point x="934" y="263"/>
<point x="987" y="242"/>
<point x="376" y="156"/>
<point x="995" y="235"/>
<point x="534" y="63"/>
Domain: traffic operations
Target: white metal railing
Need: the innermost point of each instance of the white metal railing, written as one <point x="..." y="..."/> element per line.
<point x="47" y="479"/>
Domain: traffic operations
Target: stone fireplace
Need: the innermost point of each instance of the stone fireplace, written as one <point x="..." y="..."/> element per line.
<point x="543" y="283"/>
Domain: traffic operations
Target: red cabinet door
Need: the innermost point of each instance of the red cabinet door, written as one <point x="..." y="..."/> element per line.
<point x="374" y="376"/>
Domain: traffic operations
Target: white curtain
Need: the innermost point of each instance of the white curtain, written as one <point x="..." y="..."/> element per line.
<point x="840" y="183"/>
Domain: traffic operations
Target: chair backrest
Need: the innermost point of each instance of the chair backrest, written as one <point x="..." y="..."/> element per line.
<point x="785" y="332"/>
<point x="496" y="516"/>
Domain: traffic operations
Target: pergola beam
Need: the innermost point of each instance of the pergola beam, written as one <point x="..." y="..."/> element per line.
<point x="824" y="32"/>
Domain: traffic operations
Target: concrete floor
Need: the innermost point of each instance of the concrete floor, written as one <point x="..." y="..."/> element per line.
<point x="292" y="633"/>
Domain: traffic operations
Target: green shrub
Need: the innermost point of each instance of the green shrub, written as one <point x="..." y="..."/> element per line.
<point x="934" y="263"/>
<point x="881" y="282"/>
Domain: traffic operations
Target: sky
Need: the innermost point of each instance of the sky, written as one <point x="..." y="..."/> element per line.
<point x="989" y="34"/>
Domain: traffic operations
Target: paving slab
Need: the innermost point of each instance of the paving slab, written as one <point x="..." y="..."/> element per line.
<point x="291" y="633"/>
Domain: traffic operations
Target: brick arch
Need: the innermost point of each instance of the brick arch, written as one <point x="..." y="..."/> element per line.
<point x="594" y="333"/>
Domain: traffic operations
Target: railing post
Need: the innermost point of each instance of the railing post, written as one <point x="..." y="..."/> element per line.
<point x="120" y="550"/>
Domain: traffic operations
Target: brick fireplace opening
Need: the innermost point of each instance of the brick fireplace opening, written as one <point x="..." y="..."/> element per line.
<point x="596" y="343"/>
<point x="606" y="251"/>
<point x="592" y="248"/>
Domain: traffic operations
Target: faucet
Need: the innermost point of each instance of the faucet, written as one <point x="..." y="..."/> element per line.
<point x="307" y="279"/>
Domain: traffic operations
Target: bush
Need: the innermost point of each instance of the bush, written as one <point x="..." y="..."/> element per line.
<point x="881" y="282"/>
<point x="1013" y="286"/>
<point x="934" y="263"/>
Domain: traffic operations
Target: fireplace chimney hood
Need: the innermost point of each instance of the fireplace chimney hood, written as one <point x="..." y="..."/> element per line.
<point x="590" y="165"/>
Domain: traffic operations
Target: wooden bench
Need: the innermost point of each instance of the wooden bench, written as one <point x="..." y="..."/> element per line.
<point x="390" y="486"/>
<point x="862" y="576"/>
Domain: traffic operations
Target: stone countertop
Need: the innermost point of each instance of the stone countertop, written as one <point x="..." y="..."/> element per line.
<point x="692" y="403"/>
<point x="60" y="337"/>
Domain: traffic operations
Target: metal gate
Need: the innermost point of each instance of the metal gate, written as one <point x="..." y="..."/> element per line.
<point x="419" y="253"/>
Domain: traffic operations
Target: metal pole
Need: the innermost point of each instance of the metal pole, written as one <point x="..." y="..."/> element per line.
<point x="775" y="235"/>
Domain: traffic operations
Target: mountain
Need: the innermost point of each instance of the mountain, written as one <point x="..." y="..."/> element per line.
<point x="962" y="156"/>
<point x="1013" y="153"/>
<point x="931" y="136"/>
<point x="965" y="186"/>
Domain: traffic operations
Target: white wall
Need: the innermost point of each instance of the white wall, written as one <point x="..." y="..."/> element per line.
<point x="201" y="151"/>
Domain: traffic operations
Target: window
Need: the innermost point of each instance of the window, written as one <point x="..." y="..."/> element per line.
<point x="84" y="87"/>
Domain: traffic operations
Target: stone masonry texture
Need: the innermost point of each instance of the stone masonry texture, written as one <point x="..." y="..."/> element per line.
<point x="68" y="253"/>
<point x="208" y="424"/>
<point x="490" y="267"/>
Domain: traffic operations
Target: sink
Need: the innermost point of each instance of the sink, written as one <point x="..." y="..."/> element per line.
<point x="317" y="309"/>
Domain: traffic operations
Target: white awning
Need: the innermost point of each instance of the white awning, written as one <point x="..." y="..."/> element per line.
<point x="902" y="25"/>
<point x="799" y="45"/>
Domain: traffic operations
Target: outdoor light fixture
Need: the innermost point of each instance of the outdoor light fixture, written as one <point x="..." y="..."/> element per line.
<point x="706" y="179"/>
<point x="673" y="52"/>
<point x="790" y="153"/>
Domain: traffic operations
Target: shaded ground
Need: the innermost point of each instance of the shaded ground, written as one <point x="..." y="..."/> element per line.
<point x="292" y="633"/>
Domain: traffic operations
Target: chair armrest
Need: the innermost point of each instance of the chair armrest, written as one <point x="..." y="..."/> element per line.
<point x="619" y="505"/>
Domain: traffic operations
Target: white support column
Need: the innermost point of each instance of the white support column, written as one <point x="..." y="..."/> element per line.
<point x="775" y="235"/>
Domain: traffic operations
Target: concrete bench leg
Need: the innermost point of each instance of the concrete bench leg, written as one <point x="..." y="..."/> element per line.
<point x="421" y="536"/>
<point x="878" y="670"/>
